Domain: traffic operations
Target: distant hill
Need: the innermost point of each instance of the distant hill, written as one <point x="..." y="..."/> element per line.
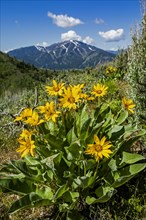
<point x="64" y="55"/>
<point x="15" y="75"/>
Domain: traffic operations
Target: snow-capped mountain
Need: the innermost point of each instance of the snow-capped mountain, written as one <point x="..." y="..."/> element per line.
<point x="64" y="55"/>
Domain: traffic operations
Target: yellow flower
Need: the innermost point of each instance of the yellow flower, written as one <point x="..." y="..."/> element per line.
<point x="128" y="104"/>
<point x="25" y="134"/>
<point x="56" y="89"/>
<point x="99" y="90"/>
<point x="111" y="69"/>
<point x="27" y="112"/>
<point x="49" y="111"/>
<point x="87" y="97"/>
<point x="34" y="119"/>
<point x="71" y="97"/>
<point x="100" y="148"/>
<point x="26" y="146"/>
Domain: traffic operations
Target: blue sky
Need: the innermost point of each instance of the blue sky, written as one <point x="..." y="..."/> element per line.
<point x="103" y="23"/>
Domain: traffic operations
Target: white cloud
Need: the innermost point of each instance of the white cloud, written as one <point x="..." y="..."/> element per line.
<point x="88" y="40"/>
<point x="44" y="44"/>
<point x="99" y="21"/>
<point x="64" y="20"/>
<point x="70" y="35"/>
<point x="112" y="35"/>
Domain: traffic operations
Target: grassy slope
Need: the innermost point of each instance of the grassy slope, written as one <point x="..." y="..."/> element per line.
<point x="15" y="75"/>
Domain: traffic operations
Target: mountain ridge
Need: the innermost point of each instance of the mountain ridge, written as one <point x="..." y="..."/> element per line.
<point x="70" y="54"/>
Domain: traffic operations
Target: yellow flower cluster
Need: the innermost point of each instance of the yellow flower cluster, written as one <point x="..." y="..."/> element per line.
<point x="49" y="111"/>
<point x="29" y="117"/>
<point x="68" y="97"/>
<point x="110" y="70"/>
<point x="71" y="95"/>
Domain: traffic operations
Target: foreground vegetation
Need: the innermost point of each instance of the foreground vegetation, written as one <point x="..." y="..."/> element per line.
<point x="82" y="146"/>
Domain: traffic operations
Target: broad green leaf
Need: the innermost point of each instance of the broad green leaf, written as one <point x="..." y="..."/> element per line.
<point x="30" y="200"/>
<point x="71" y="136"/>
<point x="20" y="186"/>
<point x="85" y="181"/>
<point x="123" y="175"/>
<point x="54" y="141"/>
<point x="70" y="196"/>
<point x="30" y="171"/>
<point x="50" y="161"/>
<point x="94" y="130"/>
<point x="112" y="164"/>
<point x="73" y="151"/>
<point x="81" y="117"/>
<point x="104" y="193"/>
<point x="31" y="160"/>
<point x="108" y="118"/>
<point x="116" y="132"/>
<point x="85" y="129"/>
<point x="90" y="164"/>
<point x="122" y="117"/>
<point x="45" y="192"/>
<point x="130" y="158"/>
<point x="61" y="191"/>
<point x="90" y="200"/>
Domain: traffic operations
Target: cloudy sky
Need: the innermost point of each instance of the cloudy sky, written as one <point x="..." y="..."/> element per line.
<point x="103" y="23"/>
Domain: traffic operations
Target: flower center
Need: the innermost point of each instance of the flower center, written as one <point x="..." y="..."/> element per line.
<point x="98" y="147"/>
<point x="99" y="91"/>
<point x="56" y="89"/>
<point x="71" y="99"/>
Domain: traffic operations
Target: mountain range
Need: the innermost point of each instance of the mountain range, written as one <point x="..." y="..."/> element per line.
<point x="70" y="54"/>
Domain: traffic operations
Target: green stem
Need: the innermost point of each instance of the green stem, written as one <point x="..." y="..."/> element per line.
<point x="96" y="169"/>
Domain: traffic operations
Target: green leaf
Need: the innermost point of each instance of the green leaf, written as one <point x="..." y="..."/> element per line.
<point x="54" y="159"/>
<point x="122" y="117"/>
<point x="85" y="129"/>
<point x="103" y="192"/>
<point x="70" y="196"/>
<point x="61" y="191"/>
<point x="90" y="200"/>
<point x="54" y="142"/>
<point x="112" y="164"/>
<point x="30" y="200"/>
<point x="116" y="132"/>
<point x="20" y="186"/>
<point x="31" y="160"/>
<point x="73" y="151"/>
<point x="85" y="181"/>
<point x="45" y="192"/>
<point x="90" y="164"/>
<point x="71" y="136"/>
<point x="130" y="158"/>
<point x="108" y="118"/>
<point x="81" y="117"/>
<point x="120" y="177"/>
<point x="94" y="130"/>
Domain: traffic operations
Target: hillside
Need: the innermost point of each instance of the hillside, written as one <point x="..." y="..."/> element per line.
<point x="64" y="55"/>
<point x="15" y="75"/>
